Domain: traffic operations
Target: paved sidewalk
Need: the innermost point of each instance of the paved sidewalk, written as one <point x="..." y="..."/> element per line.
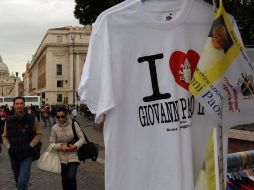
<point x="90" y="174"/>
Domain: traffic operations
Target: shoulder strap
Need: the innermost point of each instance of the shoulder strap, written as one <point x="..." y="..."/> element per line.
<point x="74" y="131"/>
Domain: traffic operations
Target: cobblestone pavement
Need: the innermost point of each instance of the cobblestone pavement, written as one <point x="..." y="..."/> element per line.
<point x="90" y="175"/>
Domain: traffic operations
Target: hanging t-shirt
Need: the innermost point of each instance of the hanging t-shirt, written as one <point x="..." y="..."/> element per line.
<point x="137" y="72"/>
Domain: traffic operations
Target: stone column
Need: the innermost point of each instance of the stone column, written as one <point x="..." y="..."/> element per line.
<point x="71" y="82"/>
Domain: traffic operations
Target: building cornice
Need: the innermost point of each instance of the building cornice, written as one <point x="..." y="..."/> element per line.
<point x="68" y="32"/>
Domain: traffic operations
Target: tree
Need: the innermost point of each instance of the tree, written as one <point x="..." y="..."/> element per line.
<point x="86" y="11"/>
<point x="243" y="15"/>
<point x="242" y="11"/>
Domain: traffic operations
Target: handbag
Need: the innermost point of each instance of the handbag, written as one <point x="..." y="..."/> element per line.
<point x="37" y="151"/>
<point x="50" y="161"/>
<point x="88" y="150"/>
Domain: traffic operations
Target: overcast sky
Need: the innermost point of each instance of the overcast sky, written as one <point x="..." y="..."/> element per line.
<point x="23" y="24"/>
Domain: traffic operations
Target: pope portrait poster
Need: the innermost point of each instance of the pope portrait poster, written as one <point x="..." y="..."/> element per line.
<point x="223" y="79"/>
<point x="223" y="84"/>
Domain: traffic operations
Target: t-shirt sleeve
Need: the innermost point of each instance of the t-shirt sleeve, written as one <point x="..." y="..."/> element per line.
<point x="96" y="85"/>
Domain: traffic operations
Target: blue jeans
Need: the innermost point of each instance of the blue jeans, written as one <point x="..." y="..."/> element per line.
<point x="68" y="172"/>
<point x="21" y="170"/>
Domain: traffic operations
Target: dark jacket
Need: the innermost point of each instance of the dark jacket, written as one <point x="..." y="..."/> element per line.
<point x="20" y="134"/>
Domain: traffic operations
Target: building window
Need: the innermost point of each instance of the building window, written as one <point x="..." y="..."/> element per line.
<point x="59" y="98"/>
<point x="59" y="39"/>
<point x="43" y="95"/>
<point x="59" y="69"/>
<point x="59" y="83"/>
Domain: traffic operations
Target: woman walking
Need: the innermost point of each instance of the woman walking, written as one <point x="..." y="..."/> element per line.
<point x="62" y="138"/>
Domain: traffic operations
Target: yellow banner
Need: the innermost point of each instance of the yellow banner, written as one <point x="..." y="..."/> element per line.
<point x="221" y="49"/>
<point x="207" y="176"/>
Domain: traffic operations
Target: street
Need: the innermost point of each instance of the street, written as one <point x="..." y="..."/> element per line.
<point x="90" y="175"/>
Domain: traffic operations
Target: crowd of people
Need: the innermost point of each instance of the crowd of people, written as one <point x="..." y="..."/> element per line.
<point x="47" y="113"/>
<point x="21" y="132"/>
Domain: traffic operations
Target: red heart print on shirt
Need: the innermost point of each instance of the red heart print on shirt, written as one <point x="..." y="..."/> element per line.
<point x="183" y="66"/>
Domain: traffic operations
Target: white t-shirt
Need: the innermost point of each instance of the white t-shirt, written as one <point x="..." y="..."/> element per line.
<point x="136" y="73"/>
<point x="74" y="112"/>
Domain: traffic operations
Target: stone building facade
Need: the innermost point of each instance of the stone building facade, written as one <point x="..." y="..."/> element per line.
<point x="55" y="70"/>
<point x="8" y="83"/>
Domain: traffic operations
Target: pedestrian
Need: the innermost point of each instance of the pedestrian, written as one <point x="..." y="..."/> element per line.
<point x="62" y="137"/>
<point x="46" y="116"/>
<point x="22" y="133"/>
<point x="74" y="113"/>
<point x="2" y="122"/>
<point x="53" y="114"/>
